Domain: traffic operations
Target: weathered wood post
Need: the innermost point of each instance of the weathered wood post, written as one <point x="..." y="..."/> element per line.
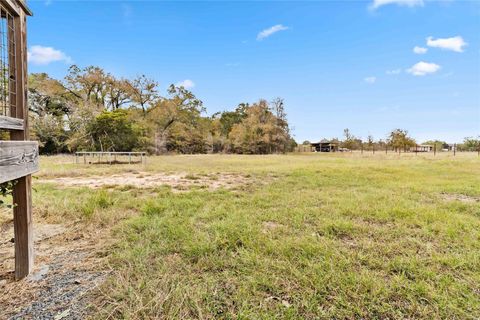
<point x="18" y="158"/>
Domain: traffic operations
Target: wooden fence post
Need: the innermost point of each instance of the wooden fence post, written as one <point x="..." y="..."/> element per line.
<point x="23" y="227"/>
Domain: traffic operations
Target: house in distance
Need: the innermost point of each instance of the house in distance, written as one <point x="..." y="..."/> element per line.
<point x="422" y="148"/>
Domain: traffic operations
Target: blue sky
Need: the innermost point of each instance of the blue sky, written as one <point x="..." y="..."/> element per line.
<point x="337" y="64"/>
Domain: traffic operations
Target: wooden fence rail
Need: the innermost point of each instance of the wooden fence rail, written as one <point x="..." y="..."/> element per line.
<point x="17" y="159"/>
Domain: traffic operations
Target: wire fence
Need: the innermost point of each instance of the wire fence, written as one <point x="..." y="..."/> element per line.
<point x="7" y="64"/>
<point x="387" y="149"/>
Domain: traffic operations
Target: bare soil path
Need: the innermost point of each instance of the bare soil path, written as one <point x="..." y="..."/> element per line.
<point x="177" y="181"/>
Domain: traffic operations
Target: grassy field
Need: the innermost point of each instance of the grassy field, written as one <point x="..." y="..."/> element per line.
<point x="310" y="236"/>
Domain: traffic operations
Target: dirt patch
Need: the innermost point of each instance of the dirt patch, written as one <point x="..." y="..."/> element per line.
<point x="178" y="182"/>
<point x="460" y="197"/>
<point x="67" y="267"/>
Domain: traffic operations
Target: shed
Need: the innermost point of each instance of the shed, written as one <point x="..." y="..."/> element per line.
<point x="324" y="146"/>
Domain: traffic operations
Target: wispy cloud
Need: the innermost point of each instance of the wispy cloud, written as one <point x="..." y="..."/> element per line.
<point x="454" y="43"/>
<point x="393" y="72"/>
<point x="270" y="31"/>
<point x="408" y="3"/>
<point x="423" y="68"/>
<point x="420" y="50"/>
<point x="370" y="80"/>
<point x="41" y="55"/>
<point x="187" y="84"/>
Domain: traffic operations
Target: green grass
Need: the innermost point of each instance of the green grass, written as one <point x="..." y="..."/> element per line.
<point x="330" y="236"/>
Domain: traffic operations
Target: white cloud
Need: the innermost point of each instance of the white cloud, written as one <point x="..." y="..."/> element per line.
<point x="420" y="50"/>
<point x="423" y="68"/>
<point x="370" y="80"/>
<point x="268" y="32"/>
<point x="409" y="3"/>
<point x="455" y="43"/>
<point x="41" y="55"/>
<point x="394" y="71"/>
<point x="187" y="84"/>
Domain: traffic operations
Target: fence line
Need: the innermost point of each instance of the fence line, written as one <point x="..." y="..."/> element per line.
<point x="389" y="149"/>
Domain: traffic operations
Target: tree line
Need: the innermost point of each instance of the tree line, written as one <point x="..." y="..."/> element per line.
<point x="92" y="110"/>
<point x="398" y="139"/>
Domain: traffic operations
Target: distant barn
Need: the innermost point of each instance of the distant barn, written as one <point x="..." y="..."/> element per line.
<point x="324" y="146"/>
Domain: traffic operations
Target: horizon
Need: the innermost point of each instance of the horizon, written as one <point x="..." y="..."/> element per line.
<point x="370" y="66"/>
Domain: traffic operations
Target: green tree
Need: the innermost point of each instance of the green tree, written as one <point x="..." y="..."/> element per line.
<point x="176" y="122"/>
<point x="230" y="118"/>
<point x="112" y="131"/>
<point x="47" y="96"/>
<point x="258" y="133"/>
<point x="399" y="139"/>
<point x="118" y="92"/>
<point x="88" y="85"/>
<point x="470" y="144"/>
<point x="50" y="132"/>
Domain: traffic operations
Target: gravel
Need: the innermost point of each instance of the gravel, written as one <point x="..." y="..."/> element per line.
<point x="62" y="293"/>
